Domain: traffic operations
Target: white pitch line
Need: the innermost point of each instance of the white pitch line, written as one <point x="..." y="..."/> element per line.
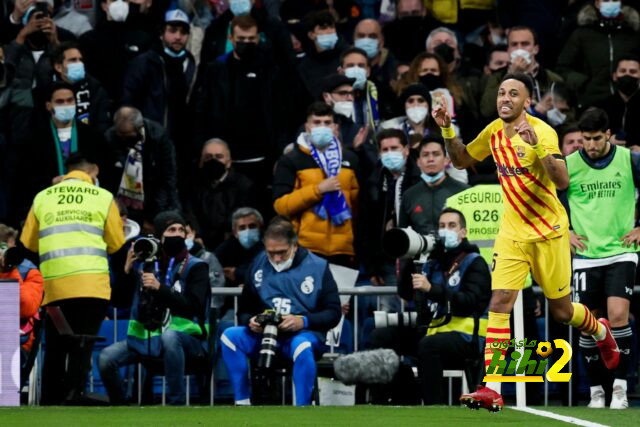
<point x="566" y="419"/>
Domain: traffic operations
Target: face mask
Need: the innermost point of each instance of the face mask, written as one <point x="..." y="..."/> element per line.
<point x="556" y="117"/>
<point x="417" y="114"/>
<point x="360" y="74"/>
<point x="246" y="50"/>
<point x="327" y="41"/>
<point x="368" y="45"/>
<point x="343" y="107"/>
<point x="173" y="245"/>
<point x="213" y="170"/>
<point x="240" y="7"/>
<point x="393" y="160"/>
<point x="431" y="81"/>
<point x="449" y="238"/>
<point x="75" y="71"/>
<point x="189" y="243"/>
<point x="523" y="53"/>
<point x="119" y="10"/>
<point x="173" y="54"/>
<point x="431" y="179"/>
<point x="321" y="136"/>
<point x="628" y="85"/>
<point x="497" y="39"/>
<point x="64" y="113"/>
<point x="610" y="9"/>
<point x="284" y="265"/>
<point x="249" y="237"/>
<point x="446" y="52"/>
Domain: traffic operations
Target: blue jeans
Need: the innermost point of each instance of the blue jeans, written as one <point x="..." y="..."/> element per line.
<point x="239" y="342"/>
<point x="176" y="347"/>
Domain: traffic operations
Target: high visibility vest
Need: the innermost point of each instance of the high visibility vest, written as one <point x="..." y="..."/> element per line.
<point x="446" y="11"/>
<point x="71" y="217"/>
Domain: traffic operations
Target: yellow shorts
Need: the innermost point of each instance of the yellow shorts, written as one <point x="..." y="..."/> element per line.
<point x="549" y="262"/>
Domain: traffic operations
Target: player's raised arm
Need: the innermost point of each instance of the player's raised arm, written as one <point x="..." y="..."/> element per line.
<point x="457" y="151"/>
<point x="554" y="167"/>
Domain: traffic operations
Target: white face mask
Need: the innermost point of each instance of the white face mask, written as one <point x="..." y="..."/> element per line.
<point x="523" y="53"/>
<point x="119" y="10"/>
<point x="284" y="265"/>
<point x="343" y="107"/>
<point x="417" y="114"/>
<point x="556" y="117"/>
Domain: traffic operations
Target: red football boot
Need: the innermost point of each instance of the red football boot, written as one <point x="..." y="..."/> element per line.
<point x="609" y="348"/>
<point x="483" y="397"/>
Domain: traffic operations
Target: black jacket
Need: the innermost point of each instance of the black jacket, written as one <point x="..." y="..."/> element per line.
<point x="326" y="316"/>
<point x="107" y="51"/>
<point x="473" y="297"/>
<point x="38" y="158"/>
<point x="378" y="211"/>
<point x="211" y="207"/>
<point x="422" y="204"/>
<point x="158" y="168"/>
<point x="315" y="66"/>
<point x="623" y="116"/>
<point x="251" y="128"/>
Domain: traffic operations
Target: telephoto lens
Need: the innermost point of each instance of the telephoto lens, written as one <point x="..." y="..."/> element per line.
<point x="268" y="346"/>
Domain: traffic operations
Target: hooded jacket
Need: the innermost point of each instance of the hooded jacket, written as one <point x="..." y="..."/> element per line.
<point x="589" y="56"/>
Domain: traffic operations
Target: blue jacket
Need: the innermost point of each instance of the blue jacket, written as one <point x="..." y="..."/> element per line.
<point x="306" y="289"/>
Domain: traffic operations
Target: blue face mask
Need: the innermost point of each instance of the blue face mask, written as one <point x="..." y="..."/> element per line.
<point x="240" y="7"/>
<point x="449" y="238"/>
<point x="173" y="54"/>
<point x="327" y="41"/>
<point x="249" y="237"/>
<point x="189" y="243"/>
<point x="64" y="113"/>
<point x="393" y="160"/>
<point x="75" y="71"/>
<point x="360" y="74"/>
<point x="431" y="179"/>
<point x="368" y="45"/>
<point x="610" y="9"/>
<point x="321" y="136"/>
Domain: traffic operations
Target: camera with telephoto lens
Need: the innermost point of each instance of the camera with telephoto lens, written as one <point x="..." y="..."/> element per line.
<point x="408" y="319"/>
<point x="269" y="321"/>
<point x="407" y="243"/>
<point x="151" y="313"/>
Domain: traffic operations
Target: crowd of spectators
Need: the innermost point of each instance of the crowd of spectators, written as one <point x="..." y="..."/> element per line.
<point x="233" y="111"/>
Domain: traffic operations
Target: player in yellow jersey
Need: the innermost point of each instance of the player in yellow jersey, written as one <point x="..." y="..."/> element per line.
<point x="534" y="232"/>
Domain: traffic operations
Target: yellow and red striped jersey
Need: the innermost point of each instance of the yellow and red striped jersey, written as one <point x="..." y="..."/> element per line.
<point x="532" y="210"/>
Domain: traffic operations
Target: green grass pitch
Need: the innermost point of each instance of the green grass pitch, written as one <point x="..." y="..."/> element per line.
<point x="289" y="416"/>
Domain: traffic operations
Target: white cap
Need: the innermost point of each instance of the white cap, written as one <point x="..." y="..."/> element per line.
<point x="176" y="15"/>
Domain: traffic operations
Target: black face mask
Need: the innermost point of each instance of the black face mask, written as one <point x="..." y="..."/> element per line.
<point x="500" y="70"/>
<point x="246" y="51"/>
<point x="628" y="85"/>
<point x="212" y="170"/>
<point x="173" y="245"/>
<point x="431" y="81"/>
<point x="446" y="52"/>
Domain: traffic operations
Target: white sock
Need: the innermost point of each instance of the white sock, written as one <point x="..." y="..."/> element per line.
<point x="243" y="402"/>
<point x="494" y="386"/>
<point x="621" y="383"/>
<point x="595" y="388"/>
<point x="602" y="335"/>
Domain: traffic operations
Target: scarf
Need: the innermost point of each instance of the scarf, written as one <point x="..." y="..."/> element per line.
<point x="333" y="204"/>
<point x="83" y="102"/>
<point x="131" y="192"/>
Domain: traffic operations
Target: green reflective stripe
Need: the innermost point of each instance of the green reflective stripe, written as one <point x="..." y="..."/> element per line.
<point x="68" y="228"/>
<point x="186" y="326"/>
<point x="60" y="253"/>
<point x="137" y="330"/>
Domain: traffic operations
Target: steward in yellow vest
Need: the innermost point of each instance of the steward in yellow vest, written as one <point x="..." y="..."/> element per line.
<point x="73" y="225"/>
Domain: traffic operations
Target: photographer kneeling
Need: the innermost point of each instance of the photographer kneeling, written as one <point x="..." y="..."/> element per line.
<point x="169" y="312"/>
<point x="295" y="285"/>
<point x="456" y="283"/>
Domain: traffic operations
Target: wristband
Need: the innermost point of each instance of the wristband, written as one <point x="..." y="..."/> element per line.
<point x="448" y="132"/>
<point x="540" y="151"/>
